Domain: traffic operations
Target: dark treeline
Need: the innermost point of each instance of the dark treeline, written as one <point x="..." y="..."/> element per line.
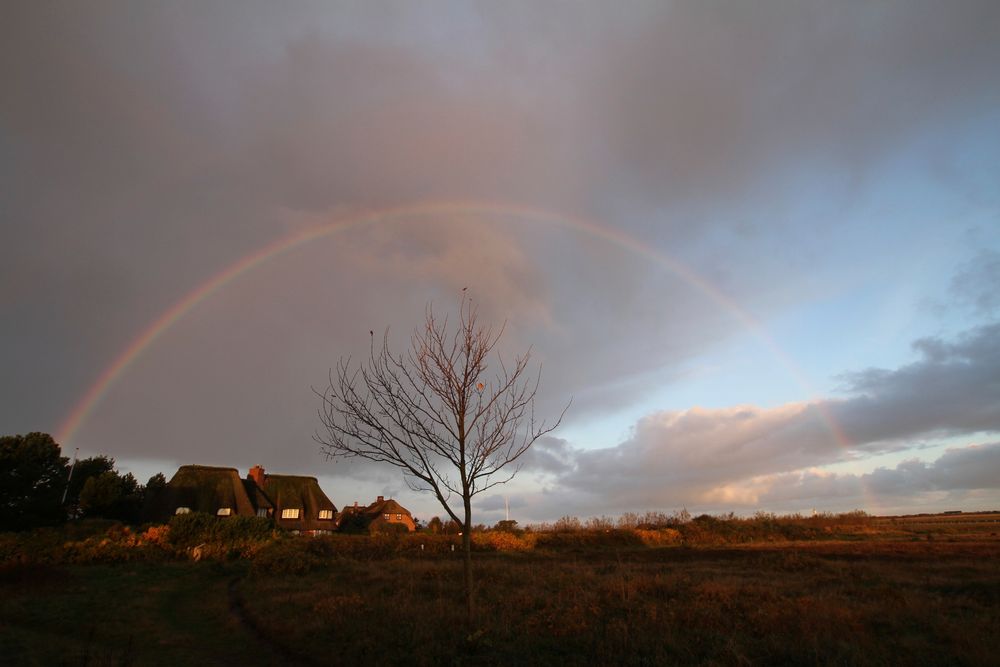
<point x="41" y="487"/>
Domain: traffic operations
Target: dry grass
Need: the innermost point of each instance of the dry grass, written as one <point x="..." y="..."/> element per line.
<point x="844" y="603"/>
<point x="704" y="592"/>
<point x="123" y="615"/>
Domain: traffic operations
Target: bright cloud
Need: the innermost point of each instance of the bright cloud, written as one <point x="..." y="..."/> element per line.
<point x="748" y="456"/>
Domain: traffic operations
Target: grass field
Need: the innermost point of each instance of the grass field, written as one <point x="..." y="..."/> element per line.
<point x="929" y="594"/>
<point x="129" y="614"/>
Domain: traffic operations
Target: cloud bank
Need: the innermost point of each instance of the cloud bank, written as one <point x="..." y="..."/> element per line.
<point x="746" y="456"/>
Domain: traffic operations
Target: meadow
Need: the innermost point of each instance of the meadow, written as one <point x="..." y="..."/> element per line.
<point x="855" y="590"/>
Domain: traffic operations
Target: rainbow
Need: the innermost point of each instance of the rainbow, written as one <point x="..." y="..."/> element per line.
<point x="96" y="393"/>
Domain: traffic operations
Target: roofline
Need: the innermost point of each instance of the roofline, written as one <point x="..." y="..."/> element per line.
<point x="267" y="474"/>
<point x="204" y="467"/>
<point x="237" y="471"/>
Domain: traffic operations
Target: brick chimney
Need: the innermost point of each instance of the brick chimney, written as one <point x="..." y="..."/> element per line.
<point x="381" y="498"/>
<point x="257" y="475"/>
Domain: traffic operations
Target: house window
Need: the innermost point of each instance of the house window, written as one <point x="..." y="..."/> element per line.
<point x="290" y="514"/>
<point x="224" y="511"/>
<point x="326" y="514"/>
<point x="385" y="516"/>
<point x="183" y="510"/>
<point x="399" y="517"/>
<point x="262" y="512"/>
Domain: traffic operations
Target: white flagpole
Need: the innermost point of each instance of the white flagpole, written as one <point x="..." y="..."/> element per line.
<point x="76" y="454"/>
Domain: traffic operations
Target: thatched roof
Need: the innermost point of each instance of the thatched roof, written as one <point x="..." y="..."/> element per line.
<point x="208" y="489"/>
<point x="302" y="493"/>
<point x="389" y="506"/>
<point x="205" y="489"/>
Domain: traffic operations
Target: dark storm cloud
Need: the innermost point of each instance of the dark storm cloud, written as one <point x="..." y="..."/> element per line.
<point x="952" y="388"/>
<point x="147" y="146"/>
<point x="118" y="198"/>
<point x="245" y="363"/>
<point x="711" y="98"/>
<point x="712" y="455"/>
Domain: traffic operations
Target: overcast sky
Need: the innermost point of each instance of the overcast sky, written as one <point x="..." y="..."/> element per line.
<point x="757" y="244"/>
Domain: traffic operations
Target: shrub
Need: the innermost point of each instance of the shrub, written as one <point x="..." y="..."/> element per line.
<point x="232" y="537"/>
<point x="292" y="555"/>
<point x="218" y="539"/>
<point x="580" y="539"/>
<point x="10" y="547"/>
<point x="387" y="528"/>
<point x="567" y="524"/>
<point x="502" y="541"/>
<point x="599" y="523"/>
<point x="239" y="528"/>
<point x="659" y="538"/>
<point x="507" y="526"/>
<point x="187" y="530"/>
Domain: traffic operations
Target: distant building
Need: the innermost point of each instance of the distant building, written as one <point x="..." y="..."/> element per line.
<point x="381" y="516"/>
<point x="294" y="502"/>
<point x="208" y="489"/>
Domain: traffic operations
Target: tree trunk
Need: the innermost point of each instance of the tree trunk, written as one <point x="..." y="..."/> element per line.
<point x="467" y="558"/>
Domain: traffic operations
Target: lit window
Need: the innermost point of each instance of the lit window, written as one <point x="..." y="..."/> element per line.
<point x="183" y="510"/>
<point x="262" y="512"/>
<point x="224" y="511"/>
<point x="385" y="516"/>
<point x="326" y="514"/>
<point x="399" y="517"/>
<point x="290" y="514"/>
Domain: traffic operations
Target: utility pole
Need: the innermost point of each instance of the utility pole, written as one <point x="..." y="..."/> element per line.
<point x="76" y="455"/>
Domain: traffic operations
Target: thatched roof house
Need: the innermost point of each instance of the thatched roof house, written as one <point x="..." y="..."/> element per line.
<point x="297" y="501"/>
<point x="381" y="516"/>
<point x="294" y="502"/>
<point x="209" y="489"/>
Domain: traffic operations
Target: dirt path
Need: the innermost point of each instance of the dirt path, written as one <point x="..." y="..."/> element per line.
<point x="255" y="628"/>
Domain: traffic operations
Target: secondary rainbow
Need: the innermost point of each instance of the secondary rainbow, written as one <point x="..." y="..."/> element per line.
<point x="484" y="211"/>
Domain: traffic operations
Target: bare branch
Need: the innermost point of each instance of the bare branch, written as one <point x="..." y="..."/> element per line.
<point x="436" y="412"/>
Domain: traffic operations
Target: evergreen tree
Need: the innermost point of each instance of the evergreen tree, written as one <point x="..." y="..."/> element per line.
<point x="32" y="480"/>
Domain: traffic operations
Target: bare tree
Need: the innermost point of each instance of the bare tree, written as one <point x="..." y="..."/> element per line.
<point x="453" y="425"/>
